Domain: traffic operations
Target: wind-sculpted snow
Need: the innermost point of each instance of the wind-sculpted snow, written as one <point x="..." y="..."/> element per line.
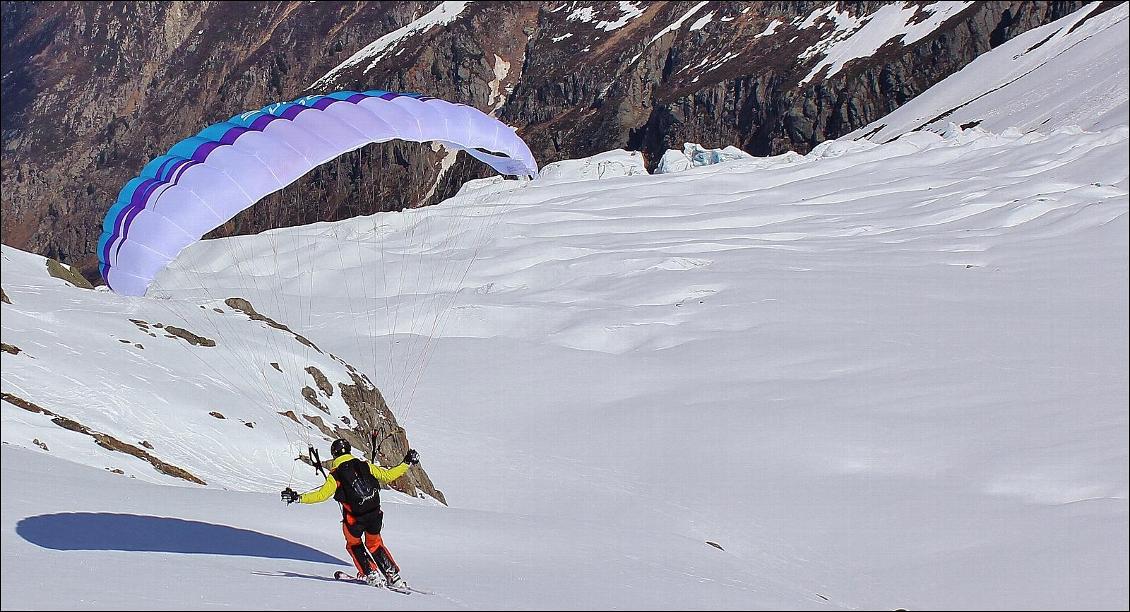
<point x="609" y="164"/>
<point x="602" y="252"/>
<point x="877" y="375"/>
<point x="852" y="363"/>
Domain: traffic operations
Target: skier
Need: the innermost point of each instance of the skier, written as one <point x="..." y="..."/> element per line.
<point x="355" y="484"/>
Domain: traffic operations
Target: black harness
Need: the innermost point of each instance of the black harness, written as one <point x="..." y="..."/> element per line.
<point x="358" y="491"/>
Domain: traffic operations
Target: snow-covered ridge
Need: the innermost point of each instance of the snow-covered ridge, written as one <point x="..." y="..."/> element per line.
<point x="854" y="38"/>
<point x="678" y="23"/>
<point x="833" y="35"/>
<point x="380" y="48"/>
<point x="628" y="12"/>
<point x="1073" y="71"/>
<point x="701" y="22"/>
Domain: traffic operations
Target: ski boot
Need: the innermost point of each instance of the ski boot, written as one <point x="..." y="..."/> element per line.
<point x="374" y="579"/>
<point x="396" y="583"/>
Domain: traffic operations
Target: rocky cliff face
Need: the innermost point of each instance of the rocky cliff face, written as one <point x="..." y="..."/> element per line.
<point x="91" y="91"/>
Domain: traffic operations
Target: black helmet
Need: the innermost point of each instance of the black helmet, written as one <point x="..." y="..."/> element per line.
<point x="340" y="447"/>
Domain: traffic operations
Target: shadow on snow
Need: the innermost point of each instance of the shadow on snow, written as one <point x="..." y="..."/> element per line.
<point x="133" y="532"/>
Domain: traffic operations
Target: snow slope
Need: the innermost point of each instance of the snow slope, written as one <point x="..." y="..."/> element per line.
<point x="893" y="375"/>
<point x="1072" y="71"/>
<point x="113" y="364"/>
<point x="854" y="38"/>
<point x="877" y="375"/>
<point x="112" y="543"/>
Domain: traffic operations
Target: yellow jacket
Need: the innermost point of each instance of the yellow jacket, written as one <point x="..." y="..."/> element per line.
<point x="328" y="489"/>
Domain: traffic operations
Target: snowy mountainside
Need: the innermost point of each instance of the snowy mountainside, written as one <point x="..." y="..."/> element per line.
<point x="170" y="392"/>
<point x="1073" y="71"/>
<point x="877" y="376"/>
<point x="895" y="371"/>
<point x="127" y="544"/>
<point x="575" y="78"/>
<point x="888" y="373"/>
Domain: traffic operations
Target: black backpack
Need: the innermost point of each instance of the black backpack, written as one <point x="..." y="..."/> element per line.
<point x="357" y="489"/>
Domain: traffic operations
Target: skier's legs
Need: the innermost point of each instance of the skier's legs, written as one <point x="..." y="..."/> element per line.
<point x="357" y="550"/>
<point x="376" y="545"/>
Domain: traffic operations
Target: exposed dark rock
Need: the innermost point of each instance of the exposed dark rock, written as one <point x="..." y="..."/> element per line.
<point x="152" y="74"/>
<point x="65" y="272"/>
<point x="246" y="308"/>
<point x="217" y="415"/>
<point x="317" y="421"/>
<point x="69" y="424"/>
<point x="311" y="396"/>
<point x="187" y="336"/>
<point x="20" y="402"/>
<point x="104" y="440"/>
<point x="9" y="348"/>
<point x="320" y="379"/>
<point x="373" y="415"/>
<point x="114" y="444"/>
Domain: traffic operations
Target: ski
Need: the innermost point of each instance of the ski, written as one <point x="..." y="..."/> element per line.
<point x="407" y="590"/>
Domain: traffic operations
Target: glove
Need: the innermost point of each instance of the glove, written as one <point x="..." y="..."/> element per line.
<point x="412" y="457"/>
<point x="289" y="495"/>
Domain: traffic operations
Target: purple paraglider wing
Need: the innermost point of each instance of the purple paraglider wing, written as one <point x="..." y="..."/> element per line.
<point x="205" y="180"/>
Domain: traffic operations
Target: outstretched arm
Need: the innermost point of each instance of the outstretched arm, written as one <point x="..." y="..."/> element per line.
<point x="389" y="475"/>
<point x="320" y="494"/>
